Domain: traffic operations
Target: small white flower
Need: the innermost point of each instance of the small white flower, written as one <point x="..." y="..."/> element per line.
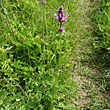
<point x="17" y="99"/>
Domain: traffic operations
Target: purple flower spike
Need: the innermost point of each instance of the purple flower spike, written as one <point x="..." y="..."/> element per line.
<point x="74" y="66"/>
<point x="51" y="70"/>
<point x="43" y="2"/>
<point x="61" y="17"/>
<point x="60" y="71"/>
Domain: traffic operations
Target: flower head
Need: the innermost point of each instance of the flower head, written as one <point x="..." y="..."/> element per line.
<point x="61" y="29"/>
<point x="73" y="74"/>
<point x="18" y="99"/>
<point x="51" y="70"/>
<point x="61" y="17"/>
<point x="43" y="2"/>
<point x="74" y="66"/>
<point x="107" y="4"/>
<point x="60" y="71"/>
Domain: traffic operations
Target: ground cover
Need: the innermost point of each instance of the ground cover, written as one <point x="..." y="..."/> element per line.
<point x="44" y="66"/>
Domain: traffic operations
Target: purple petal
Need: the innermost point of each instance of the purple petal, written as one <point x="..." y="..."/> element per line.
<point x="43" y="2"/>
<point x="51" y="70"/>
<point x="58" y="27"/>
<point x="56" y="10"/>
<point x="63" y="30"/>
<point x="64" y="10"/>
<point x="60" y="15"/>
<point x="74" y="66"/>
<point x="63" y="26"/>
<point x="55" y="15"/>
<point x="73" y="74"/>
<point x="66" y="17"/>
<point x="63" y="18"/>
<point x="57" y="18"/>
<point x="60" y="71"/>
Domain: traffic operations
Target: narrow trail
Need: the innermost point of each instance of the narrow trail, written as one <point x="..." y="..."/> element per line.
<point x="92" y="95"/>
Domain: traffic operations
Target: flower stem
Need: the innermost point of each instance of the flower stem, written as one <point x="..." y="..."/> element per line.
<point x="60" y="47"/>
<point x="55" y="78"/>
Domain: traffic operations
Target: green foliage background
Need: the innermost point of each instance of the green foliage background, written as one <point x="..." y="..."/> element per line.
<point x="30" y="45"/>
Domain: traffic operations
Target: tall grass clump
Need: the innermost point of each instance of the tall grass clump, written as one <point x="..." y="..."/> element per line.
<point x="36" y="57"/>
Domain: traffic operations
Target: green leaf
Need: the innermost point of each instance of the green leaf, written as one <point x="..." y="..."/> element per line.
<point x="1" y="102"/>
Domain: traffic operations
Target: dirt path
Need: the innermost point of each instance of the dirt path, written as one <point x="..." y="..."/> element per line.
<point x="92" y="94"/>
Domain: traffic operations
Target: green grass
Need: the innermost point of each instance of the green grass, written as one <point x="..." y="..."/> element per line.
<point x="30" y="45"/>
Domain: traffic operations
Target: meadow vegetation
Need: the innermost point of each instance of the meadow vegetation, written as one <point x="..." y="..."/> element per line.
<point x="44" y="66"/>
